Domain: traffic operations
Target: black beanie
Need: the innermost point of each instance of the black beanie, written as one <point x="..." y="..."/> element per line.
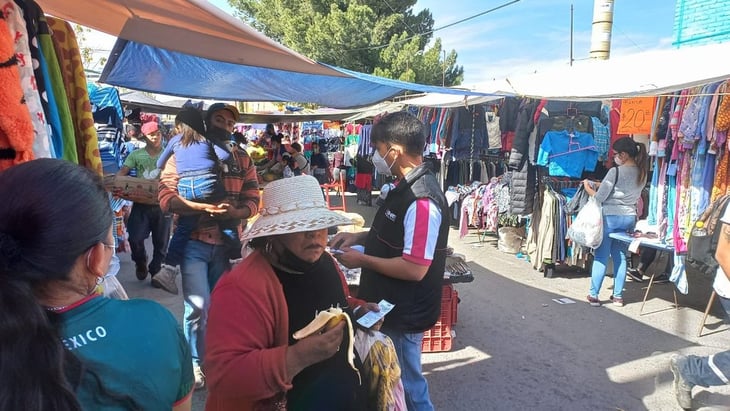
<point x="192" y="118"/>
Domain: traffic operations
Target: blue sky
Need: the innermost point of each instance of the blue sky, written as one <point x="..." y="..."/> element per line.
<point x="534" y="34"/>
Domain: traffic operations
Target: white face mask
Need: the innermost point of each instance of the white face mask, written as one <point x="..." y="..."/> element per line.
<point x="617" y="160"/>
<point x="380" y="164"/>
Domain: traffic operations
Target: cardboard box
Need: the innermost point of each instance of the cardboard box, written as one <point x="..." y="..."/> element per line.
<point x="134" y="189"/>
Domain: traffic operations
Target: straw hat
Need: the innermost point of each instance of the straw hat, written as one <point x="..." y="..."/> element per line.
<point x="293" y="205"/>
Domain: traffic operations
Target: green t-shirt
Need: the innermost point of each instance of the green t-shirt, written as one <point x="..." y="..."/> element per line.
<point x="145" y="164"/>
<point x="134" y="347"/>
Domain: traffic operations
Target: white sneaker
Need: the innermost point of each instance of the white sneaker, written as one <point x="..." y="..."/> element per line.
<point x="199" y="377"/>
<point x="165" y="279"/>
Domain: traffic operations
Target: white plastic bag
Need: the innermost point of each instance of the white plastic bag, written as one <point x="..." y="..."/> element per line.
<point x="587" y="227"/>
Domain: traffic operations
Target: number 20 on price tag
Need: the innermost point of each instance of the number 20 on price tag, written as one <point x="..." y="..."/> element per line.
<point x="636" y="115"/>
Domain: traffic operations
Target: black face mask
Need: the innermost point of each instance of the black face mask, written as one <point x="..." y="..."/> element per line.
<point x="290" y="261"/>
<point x="218" y="133"/>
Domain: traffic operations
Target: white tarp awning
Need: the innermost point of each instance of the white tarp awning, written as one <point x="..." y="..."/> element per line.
<point x="193" y="27"/>
<point x="650" y="73"/>
<point x="448" y="100"/>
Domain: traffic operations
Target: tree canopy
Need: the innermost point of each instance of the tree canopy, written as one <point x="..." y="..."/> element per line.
<point x="381" y="37"/>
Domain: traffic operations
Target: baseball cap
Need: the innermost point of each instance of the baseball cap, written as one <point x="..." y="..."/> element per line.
<point x="223" y="106"/>
<point x="150" y="127"/>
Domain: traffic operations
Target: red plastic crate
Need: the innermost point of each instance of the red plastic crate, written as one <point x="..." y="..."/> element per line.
<point x="454" y="307"/>
<point x="438" y="338"/>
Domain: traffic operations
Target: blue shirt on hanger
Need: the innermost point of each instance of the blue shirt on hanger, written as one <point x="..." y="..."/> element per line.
<point x="566" y="155"/>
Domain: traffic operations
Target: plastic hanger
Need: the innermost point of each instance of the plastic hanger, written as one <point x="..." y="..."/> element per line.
<point x="573" y="147"/>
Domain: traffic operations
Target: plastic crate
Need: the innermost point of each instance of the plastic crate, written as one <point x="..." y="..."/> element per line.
<point x="438" y="338"/>
<point x="454" y="307"/>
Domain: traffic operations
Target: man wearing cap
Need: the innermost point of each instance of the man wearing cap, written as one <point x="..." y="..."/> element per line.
<point x="405" y="249"/>
<point x="206" y="257"/>
<point x="147" y="218"/>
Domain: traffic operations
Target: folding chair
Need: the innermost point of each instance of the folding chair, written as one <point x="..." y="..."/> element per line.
<point x="707" y="312"/>
<point x="339" y="189"/>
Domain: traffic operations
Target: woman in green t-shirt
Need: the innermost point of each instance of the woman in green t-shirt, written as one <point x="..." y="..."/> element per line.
<point x="63" y="345"/>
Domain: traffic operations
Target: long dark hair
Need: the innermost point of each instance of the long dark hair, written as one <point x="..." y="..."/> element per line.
<point x="51" y="212"/>
<point x="636" y="151"/>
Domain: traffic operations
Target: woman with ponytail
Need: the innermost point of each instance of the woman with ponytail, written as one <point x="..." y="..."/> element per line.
<point x="62" y="345"/>
<point x="619" y="194"/>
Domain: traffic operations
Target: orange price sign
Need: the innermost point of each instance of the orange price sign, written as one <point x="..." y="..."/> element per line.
<point x="636" y="115"/>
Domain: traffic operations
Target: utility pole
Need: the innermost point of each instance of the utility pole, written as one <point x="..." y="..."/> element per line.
<point x="443" y="72"/>
<point x="571" y="34"/>
<point x="602" y="27"/>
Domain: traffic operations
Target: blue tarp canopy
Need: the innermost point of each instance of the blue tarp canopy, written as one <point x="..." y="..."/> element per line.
<point x="147" y="68"/>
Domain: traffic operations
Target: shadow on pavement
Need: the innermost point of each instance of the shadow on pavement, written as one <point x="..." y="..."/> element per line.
<point x="516" y="348"/>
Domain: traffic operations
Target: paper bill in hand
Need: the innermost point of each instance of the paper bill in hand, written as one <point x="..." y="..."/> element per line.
<point x="371" y="317"/>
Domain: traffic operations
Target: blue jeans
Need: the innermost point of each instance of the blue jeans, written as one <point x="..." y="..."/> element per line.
<point x="143" y="220"/>
<point x="408" y="348"/>
<point x="203" y="187"/>
<point x="707" y="371"/>
<point x="201" y="268"/>
<point x="186" y="224"/>
<point x="712" y="370"/>
<point x="615" y="249"/>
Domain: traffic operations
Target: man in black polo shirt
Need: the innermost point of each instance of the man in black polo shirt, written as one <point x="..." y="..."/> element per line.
<point x="405" y="250"/>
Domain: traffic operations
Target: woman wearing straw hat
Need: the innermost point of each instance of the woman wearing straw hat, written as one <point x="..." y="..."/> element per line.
<point x="252" y="360"/>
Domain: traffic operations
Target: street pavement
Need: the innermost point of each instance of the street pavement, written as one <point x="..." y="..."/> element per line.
<point x="515" y="348"/>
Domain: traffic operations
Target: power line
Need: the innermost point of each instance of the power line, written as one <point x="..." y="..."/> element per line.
<point x="629" y="38"/>
<point x="437" y="29"/>
<point x="395" y="12"/>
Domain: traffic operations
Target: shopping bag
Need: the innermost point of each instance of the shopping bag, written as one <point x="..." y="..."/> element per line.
<point x="587" y="227"/>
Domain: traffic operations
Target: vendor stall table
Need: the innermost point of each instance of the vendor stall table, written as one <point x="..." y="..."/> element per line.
<point x="651" y="243"/>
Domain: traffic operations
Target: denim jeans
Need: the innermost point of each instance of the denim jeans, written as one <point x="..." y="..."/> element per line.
<point x="408" y="348"/>
<point x="615" y="249"/>
<point x="204" y="187"/>
<point x="184" y="227"/>
<point x="186" y="224"/>
<point x="143" y="220"/>
<point x="712" y="370"/>
<point x="202" y="266"/>
<point x="706" y="371"/>
<point x="201" y="187"/>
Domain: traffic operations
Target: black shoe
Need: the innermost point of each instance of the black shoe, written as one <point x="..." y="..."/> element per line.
<point x="635" y="275"/>
<point x="661" y="278"/>
<point x="141" y="271"/>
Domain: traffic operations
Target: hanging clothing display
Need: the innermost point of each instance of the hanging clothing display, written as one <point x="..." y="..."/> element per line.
<point x="77" y="95"/>
<point x="28" y="81"/>
<point x="58" y="100"/>
<point x="16" y="128"/>
<point x="568" y="154"/>
<point x="108" y="119"/>
<point x="468" y="136"/>
<point x="43" y="63"/>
